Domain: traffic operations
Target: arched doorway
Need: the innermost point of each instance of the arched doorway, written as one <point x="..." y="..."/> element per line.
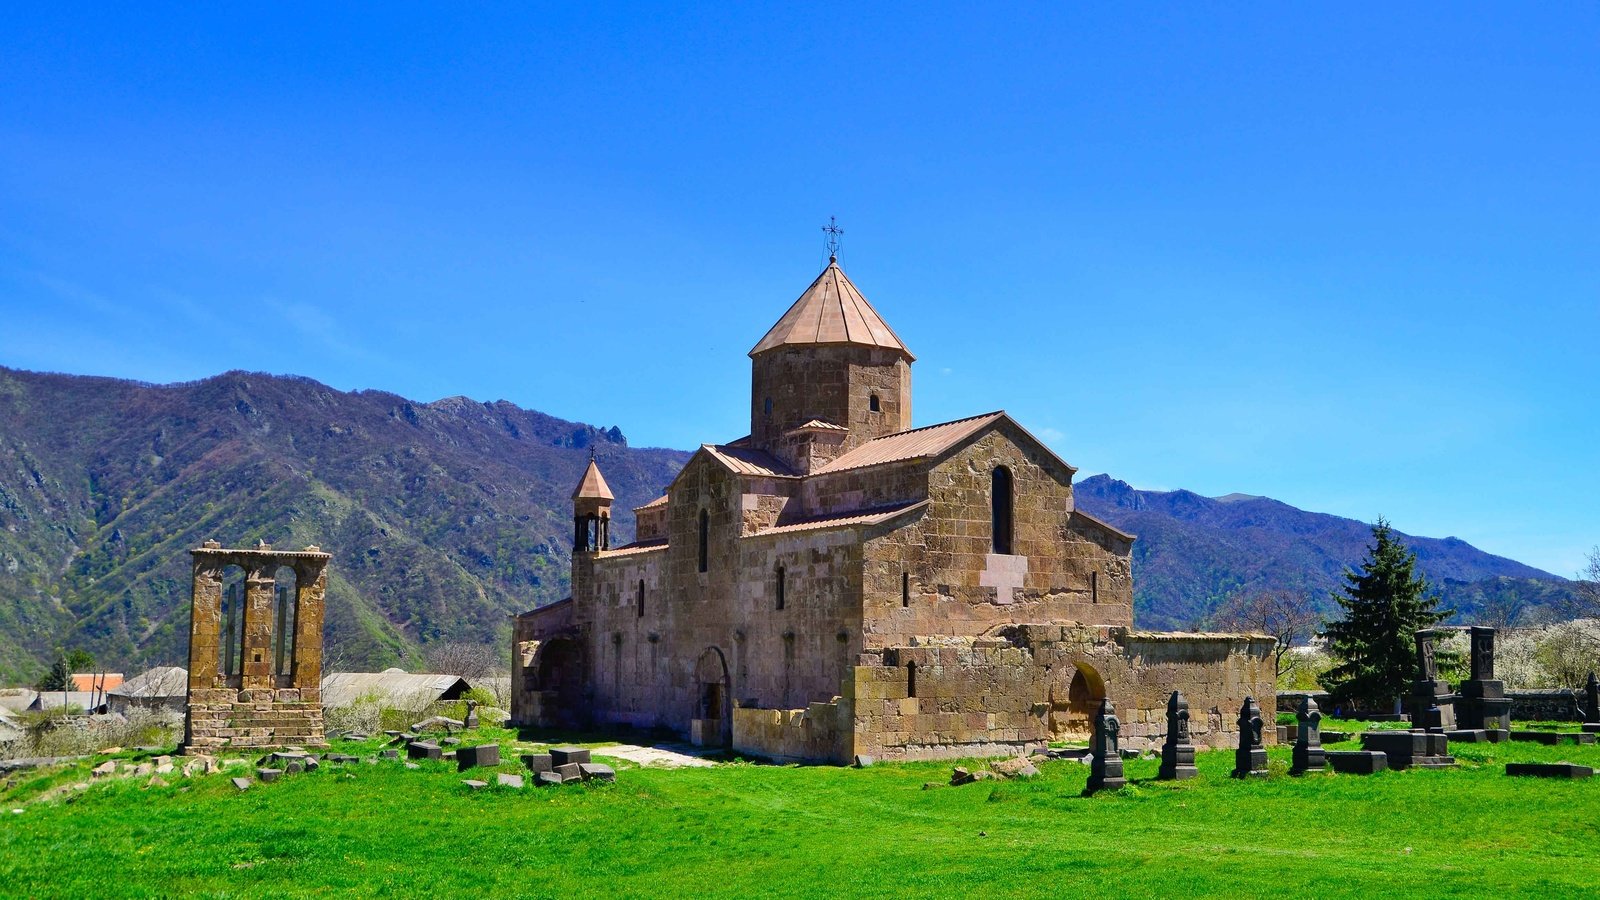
<point x="558" y="682"/>
<point x="1072" y="710"/>
<point x="712" y="723"/>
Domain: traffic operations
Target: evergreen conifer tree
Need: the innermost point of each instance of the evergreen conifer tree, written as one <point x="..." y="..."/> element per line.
<point x="59" y="678"/>
<point x="1385" y="604"/>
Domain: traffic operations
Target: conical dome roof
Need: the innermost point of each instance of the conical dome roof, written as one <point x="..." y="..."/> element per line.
<point x="593" y="486"/>
<point x="832" y="311"/>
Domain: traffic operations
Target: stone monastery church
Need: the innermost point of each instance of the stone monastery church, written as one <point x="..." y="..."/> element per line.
<point x="838" y="583"/>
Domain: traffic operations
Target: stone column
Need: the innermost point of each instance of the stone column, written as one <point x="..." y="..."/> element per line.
<point x="205" y="625"/>
<point x="259" y="598"/>
<point x="311" y="586"/>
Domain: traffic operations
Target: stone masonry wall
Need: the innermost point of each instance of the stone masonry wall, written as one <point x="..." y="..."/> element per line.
<point x="819" y="732"/>
<point x="977" y="696"/>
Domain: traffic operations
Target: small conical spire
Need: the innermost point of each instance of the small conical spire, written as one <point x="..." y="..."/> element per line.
<point x="593" y="485"/>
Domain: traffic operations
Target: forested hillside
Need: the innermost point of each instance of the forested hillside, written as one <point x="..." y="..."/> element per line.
<point x="442" y="517"/>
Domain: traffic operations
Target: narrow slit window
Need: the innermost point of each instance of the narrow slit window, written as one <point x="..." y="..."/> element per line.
<point x="705" y="538"/>
<point x="911" y="680"/>
<point x="1094" y="587"/>
<point x="905" y="589"/>
<point x="781" y="588"/>
<point x="639" y="607"/>
<point x="1000" y="519"/>
<point x="766" y="406"/>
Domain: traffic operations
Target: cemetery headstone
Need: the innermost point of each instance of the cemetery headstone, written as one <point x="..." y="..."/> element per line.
<point x="1105" y="772"/>
<point x="1481" y="702"/>
<point x="1308" y="754"/>
<point x="1177" y="754"/>
<point x="1250" y="760"/>
<point x="1431" y="703"/>
<point x="1591" y="712"/>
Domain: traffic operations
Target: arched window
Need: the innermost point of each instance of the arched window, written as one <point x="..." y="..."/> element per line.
<point x="766" y="406"/>
<point x="781" y="587"/>
<point x="231" y="645"/>
<point x="872" y="403"/>
<point x="905" y="589"/>
<point x="1000" y="503"/>
<point x="911" y="680"/>
<point x="705" y="539"/>
<point x="640" y="605"/>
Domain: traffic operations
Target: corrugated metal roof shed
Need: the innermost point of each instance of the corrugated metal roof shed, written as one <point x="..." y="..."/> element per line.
<point x="393" y="688"/>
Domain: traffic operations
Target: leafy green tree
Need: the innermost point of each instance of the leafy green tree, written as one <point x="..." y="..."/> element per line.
<point x="1385" y="603"/>
<point x="59" y="678"/>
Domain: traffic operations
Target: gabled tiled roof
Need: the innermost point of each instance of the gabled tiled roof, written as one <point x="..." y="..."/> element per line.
<point x="747" y="461"/>
<point x="831" y="311"/>
<point x="593" y="485"/>
<point x="635" y="547"/>
<point x="855" y="517"/>
<point x="659" y="501"/>
<point x="918" y="443"/>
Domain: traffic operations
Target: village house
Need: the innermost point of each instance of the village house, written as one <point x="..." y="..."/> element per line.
<point x="838" y="583"/>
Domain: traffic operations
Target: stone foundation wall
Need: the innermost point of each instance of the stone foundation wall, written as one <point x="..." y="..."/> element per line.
<point x="1039" y="683"/>
<point x="818" y="733"/>
<point x="224" y="717"/>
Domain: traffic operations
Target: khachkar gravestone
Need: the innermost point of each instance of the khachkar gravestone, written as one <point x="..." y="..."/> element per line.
<point x="1431" y="704"/>
<point x="1308" y="753"/>
<point x="1481" y="702"/>
<point x="1591" y="705"/>
<point x="1177" y="754"/>
<point x="255" y="654"/>
<point x="1250" y="760"/>
<point x="1106" y="769"/>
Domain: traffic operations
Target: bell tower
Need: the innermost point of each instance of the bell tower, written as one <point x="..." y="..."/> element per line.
<point x="591" y="512"/>
<point x="831" y="363"/>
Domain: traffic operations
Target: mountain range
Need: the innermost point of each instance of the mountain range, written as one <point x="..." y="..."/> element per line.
<point x="446" y="517"/>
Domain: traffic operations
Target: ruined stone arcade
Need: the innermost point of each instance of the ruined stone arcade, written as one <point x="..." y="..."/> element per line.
<point x="255" y="648"/>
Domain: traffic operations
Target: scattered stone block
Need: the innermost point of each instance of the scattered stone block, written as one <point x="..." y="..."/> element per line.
<point x="474" y="784"/>
<point x="1405" y="749"/>
<point x="448" y="754"/>
<point x="1334" y="737"/>
<point x="1357" y="762"/>
<point x="109" y="767"/>
<point x="294" y="768"/>
<point x="156" y="781"/>
<point x="481" y="755"/>
<point x="863" y="761"/>
<point x="1549" y="770"/>
<point x="412" y="765"/>
<point x="538" y="762"/>
<point x="1013" y="767"/>
<point x="596" y="772"/>
<point x="1468" y="736"/>
<point x="510" y="781"/>
<point x="450" y="741"/>
<point x="569" y="771"/>
<point x="390" y="754"/>
<point x="311" y="764"/>
<point x="268" y="776"/>
<point x="560" y="756"/>
<point x="423" y="750"/>
<point x="546" y="779"/>
<point x="143" y="769"/>
<point x="1552" y="738"/>
<point x="242" y="784"/>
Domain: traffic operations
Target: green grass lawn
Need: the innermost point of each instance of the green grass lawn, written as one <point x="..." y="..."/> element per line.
<point x="781" y="831"/>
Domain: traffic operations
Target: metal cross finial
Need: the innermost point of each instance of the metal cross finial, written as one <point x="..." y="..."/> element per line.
<point x="832" y="230"/>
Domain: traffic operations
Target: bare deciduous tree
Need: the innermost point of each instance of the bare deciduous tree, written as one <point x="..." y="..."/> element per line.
<point x="464" y="660"/>
<point x="1281" y="614"/>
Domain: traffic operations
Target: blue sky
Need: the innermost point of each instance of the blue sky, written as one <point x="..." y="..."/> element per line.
<point x="1347" y="257"/>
